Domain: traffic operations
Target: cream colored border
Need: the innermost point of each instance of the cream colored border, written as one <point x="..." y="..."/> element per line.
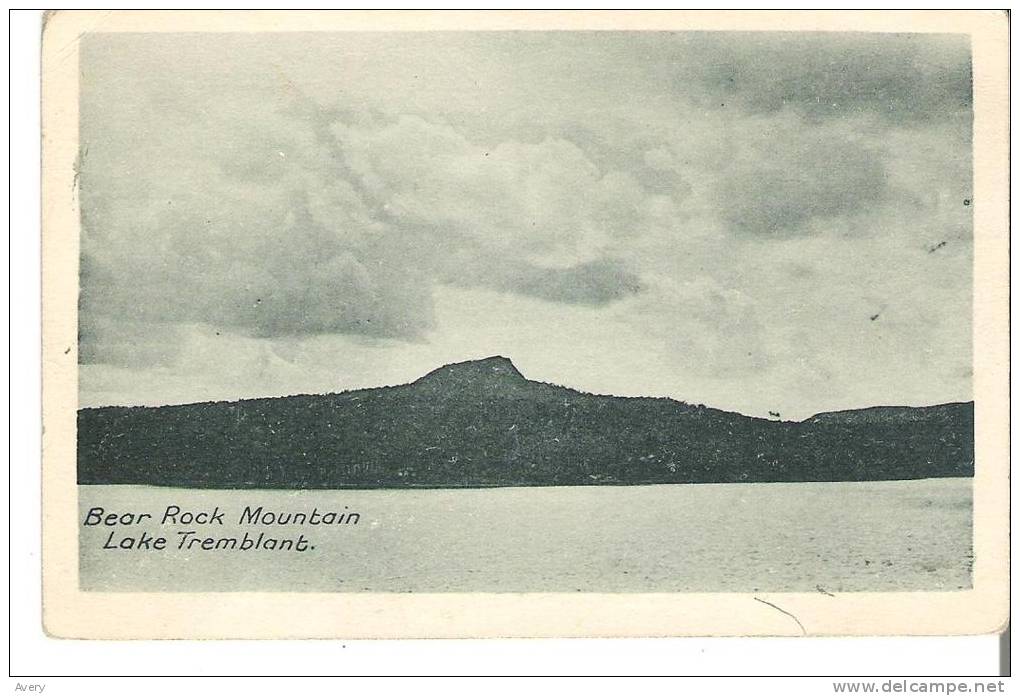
<point x="70" y="613"/>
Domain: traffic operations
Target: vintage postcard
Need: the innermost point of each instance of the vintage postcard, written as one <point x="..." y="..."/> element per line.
<point x="488" y="324"/>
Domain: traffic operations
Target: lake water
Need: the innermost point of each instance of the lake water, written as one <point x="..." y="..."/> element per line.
<point x="774" y="537"/>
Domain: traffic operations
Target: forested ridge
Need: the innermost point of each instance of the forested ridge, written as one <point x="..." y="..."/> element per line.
<point x="481" y="423"/>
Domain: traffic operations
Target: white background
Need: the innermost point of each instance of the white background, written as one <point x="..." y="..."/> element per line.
<point x="40" y="659"/>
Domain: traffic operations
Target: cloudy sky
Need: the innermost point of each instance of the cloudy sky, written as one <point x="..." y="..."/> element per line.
<point x="751" y="221"/>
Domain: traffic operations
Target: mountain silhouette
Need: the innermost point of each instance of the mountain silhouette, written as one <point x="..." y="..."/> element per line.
<point x="493" y="374"/>
<point x="482" y="423"/>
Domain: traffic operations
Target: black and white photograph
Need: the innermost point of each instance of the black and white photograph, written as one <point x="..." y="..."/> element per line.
<point x="513" y="312"/>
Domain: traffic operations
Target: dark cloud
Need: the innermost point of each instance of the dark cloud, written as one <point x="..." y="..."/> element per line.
<point x="901" y="77"/>
<point x="104" y="340"/>
<point x="787" y="179"/>
<point x="261" y="240"/>
<point x="594" y="283"/>
<point x="273" y="272"/>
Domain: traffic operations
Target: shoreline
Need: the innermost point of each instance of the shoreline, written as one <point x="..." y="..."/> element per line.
<point x="516" y="486"/>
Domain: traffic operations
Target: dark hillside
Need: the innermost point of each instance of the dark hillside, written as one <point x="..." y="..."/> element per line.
<point x="481" y="423"/>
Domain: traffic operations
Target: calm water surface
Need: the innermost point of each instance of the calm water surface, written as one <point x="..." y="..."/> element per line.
<point x="841" y="537"/>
